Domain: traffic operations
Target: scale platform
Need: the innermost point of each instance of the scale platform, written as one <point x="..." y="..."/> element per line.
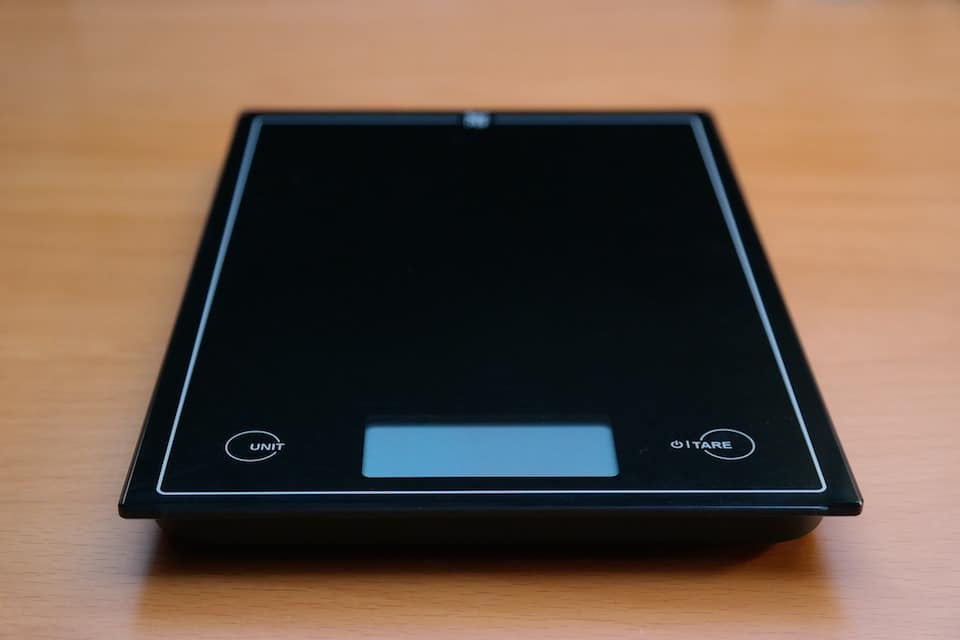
<point x="484" y="328"/>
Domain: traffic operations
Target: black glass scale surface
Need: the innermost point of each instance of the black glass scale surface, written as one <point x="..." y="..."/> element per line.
<point x="484" y="327"/>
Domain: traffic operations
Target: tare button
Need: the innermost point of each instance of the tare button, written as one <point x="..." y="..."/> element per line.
<point x="253" y="446"/>
<point x="723" y="444"/>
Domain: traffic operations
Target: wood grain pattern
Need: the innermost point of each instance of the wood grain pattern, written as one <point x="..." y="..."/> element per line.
<point x="843" y="119"/>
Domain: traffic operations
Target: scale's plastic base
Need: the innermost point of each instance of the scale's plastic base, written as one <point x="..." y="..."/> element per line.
<point x="495" y="530"/>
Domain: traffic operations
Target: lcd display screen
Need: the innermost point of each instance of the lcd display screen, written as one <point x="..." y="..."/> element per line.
<point x="488" y="450"/>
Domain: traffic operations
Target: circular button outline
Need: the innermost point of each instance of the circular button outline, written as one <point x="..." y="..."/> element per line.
<point x="226" y="445"/>
<point x="753" y="444"/>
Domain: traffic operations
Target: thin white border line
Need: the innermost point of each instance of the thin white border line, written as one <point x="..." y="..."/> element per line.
<point x="706" y="154"/>
<point x="212" y="289"/>
<point x="485" y="492"/>
<point x="708" y="158"/>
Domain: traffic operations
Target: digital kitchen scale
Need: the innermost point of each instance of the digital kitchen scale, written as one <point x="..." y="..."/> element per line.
<point x="484" y="327"/>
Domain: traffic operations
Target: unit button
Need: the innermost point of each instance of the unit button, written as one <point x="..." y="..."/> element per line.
<point x="723" y="444"/>
<point x="253" y="446"/>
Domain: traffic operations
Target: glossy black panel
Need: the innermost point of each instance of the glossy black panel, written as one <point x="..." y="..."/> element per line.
<point x="536" y="270"/>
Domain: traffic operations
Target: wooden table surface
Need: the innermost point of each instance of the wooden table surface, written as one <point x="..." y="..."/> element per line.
<point x="843" y="119"/>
